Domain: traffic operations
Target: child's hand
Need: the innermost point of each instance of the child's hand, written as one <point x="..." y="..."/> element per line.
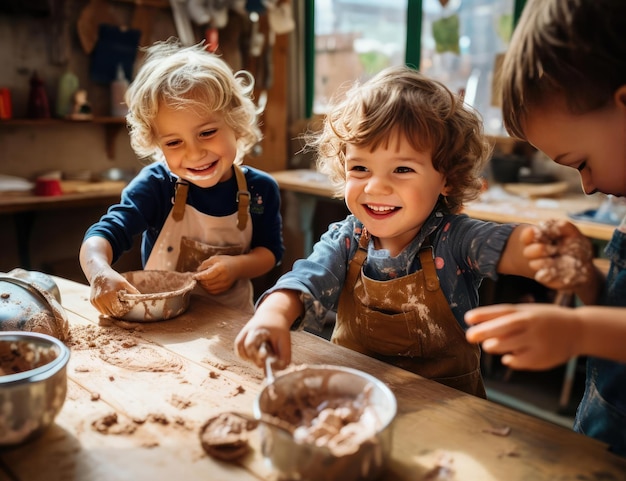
<point x="106" y="286"/>
<point x="561" y="256"/>
<point x="529" y="336"/>
<point x="259" y="330"/>
<point x="216" y="274"/>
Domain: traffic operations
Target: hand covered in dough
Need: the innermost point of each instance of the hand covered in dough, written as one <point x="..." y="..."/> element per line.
<point x="250" y="339"/>
<point x="216" y="274"/>
<point x="529" y="336"/>
<point x="271" y="322"/>
<point x="106" y="287"/>
<point x="560" y="254"/>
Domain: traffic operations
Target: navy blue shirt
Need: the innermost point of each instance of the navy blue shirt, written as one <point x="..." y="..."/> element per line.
<point x="148" y="199"/>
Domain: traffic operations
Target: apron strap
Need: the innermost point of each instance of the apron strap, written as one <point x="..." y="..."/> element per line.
<point x="427" y="259"/>
<point x="243" y="198"/>
<point x="180" y="200"/>
<point x="354" y="267"/>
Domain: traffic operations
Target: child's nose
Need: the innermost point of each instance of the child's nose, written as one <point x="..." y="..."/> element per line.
<point x="587" y="182"/>
<point x="195" y="151"/>
<point x="378" y="185"/>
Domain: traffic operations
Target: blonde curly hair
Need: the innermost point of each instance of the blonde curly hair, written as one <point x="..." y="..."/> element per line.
<point x="401" y="100"/>
<point x="189" y="77"/>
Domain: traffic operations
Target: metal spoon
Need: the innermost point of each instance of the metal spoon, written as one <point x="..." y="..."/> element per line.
<point x="267" y="353"/>
<point x="266" y="419"/>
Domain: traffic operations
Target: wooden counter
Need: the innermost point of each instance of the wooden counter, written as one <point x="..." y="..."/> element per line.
<point x="25" y="207"/>
<point x="535" y="210"/>
<point x="80" y="194"/>
<point x="163" y="380"/>
<point x="309" y="185"/>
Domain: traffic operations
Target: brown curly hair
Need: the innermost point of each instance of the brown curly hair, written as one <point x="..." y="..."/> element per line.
<point x="401" y="100"/>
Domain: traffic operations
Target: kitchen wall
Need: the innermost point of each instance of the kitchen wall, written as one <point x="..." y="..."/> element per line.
<point x="29" y="44"/>
<point x="50" y="45"/>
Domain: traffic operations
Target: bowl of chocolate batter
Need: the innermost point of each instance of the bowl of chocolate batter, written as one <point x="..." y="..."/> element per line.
<point x="343" y="422"/>
<point x="33" y="384"/>
<point x="162" y="295"/>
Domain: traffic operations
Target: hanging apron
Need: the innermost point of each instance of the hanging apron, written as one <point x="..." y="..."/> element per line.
<point x="407" y="322"/>
<point x="189" y="237"/>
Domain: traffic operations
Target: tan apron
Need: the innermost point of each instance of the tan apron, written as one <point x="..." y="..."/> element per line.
<point x="189" y="237"/>
<point x="407" y="322"/>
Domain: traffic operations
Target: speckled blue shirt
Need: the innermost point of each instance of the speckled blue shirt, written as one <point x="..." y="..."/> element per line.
<point x="466" y="251"/>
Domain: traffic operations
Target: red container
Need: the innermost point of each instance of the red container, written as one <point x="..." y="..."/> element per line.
<point x="47" y="187"/>
<point x="6" y="110"/>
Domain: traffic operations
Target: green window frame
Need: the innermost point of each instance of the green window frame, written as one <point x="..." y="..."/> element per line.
<point x="413" y="41"/>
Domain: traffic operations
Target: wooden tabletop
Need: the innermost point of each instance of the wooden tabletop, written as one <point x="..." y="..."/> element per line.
<point x="76" y="194"/>
<point x="504" y="209"/>
<point x="138" y="395"/>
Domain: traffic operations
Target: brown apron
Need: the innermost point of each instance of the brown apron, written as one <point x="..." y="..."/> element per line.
<point x="407" y="322"/>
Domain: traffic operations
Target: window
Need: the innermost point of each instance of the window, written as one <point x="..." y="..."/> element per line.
<point x="354" y="39"/>
<point x="458" y="42"/>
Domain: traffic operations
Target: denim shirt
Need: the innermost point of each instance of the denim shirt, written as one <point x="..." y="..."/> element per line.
<point x="602" y="411"/>
<point x="466" y="250"/>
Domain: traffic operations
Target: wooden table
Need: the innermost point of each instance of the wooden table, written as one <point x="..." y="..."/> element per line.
<point x="163" y="380"/>
<point x="310" y="185"/>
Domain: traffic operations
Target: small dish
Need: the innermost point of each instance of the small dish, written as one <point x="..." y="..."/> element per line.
<point x="552" y="189"/>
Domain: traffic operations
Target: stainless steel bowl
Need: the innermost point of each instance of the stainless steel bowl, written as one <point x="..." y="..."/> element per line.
<point x="163" y="295"/>
<point x="33" y="384"/>
<point x="306" y="462"/>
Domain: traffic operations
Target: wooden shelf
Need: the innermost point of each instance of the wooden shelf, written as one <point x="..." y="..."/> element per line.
<point x="112" y="127"/>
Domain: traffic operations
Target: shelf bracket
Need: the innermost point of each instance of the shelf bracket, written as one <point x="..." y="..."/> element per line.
<point x="111" y="131"/>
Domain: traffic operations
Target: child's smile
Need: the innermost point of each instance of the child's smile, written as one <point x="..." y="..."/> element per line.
<point x="381" y="210"/>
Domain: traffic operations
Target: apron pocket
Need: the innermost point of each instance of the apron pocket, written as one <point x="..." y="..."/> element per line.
<point x="388" y="334"/>
<point x="193" y="253"/>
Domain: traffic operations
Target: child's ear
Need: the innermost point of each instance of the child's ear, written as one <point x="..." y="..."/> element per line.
<point x="620" y="97"/>
<point x="446" y="190"/>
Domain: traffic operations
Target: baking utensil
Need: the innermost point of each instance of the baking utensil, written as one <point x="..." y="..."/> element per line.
<point x="33" y="384"/>
<point x="162" y="295"/>
<point x="267" y="353"/>
<point x="308" y="462"/>
<point x="182" y="22"/>
<point x="272" y="421"/>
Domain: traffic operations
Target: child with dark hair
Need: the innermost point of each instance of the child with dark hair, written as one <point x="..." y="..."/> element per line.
<point x="564" y="91"/>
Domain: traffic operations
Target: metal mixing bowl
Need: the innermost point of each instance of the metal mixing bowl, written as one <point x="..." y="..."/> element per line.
<point x="33" y="384"/>
<point x="163" y="295"/>
<point x="306" y="462"/>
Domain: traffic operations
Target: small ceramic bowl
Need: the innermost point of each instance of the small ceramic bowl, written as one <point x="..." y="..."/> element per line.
<point x="163" y="295"/>
<point x="33" y="384"/>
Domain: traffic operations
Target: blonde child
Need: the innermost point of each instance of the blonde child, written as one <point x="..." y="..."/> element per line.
<point x="196" y="207"/>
